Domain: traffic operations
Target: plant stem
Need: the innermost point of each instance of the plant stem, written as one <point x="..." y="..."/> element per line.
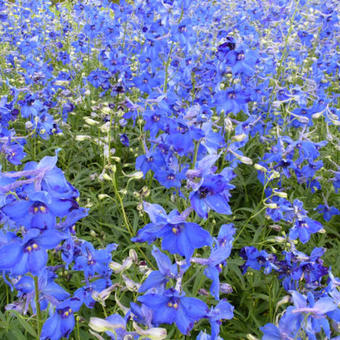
<point x="37" y="305"/>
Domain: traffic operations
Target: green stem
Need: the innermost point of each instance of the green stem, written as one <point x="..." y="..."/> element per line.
<point x="246" y="223"/>
<point x="37" y="305"/>
<point x="126" y="222"/>
<point x="167" y="68"/>
<point x="78" y="330"/>
<point x="195" y="155"/>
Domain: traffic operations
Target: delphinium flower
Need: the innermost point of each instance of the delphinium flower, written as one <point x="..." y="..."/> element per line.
<point x="61" y="322"/>
<point x="223" y="310"/>
<point x="303" y="225"/>
<point x="92" y="261"/>
<point x="49" y="292"/>
<point x="328" y="212"/>
<point x="257" y="259"/>
<point x="307" y="316"/>
<point x="174" y="307"/>
<point x="159" y="278"/>
<point x="220" y="251"/>
<point x="29" y="254"/>
<point x="213" y="193"/>
<point x="178" y="236"/>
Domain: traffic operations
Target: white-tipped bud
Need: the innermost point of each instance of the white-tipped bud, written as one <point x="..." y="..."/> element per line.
<point x="101" y="325"/>
<point x="317" y="115"/>
<point x="90" y="121"/>
<point x="228" y="124"/>
<point x="155" y="333"/>
<point x="103" y="196"/>
<point x="280" y="239"/>
<point x="275" y="227"/>
<point x="135" y="175"/>
<point x="271" y="205"/>
<point x="118" y="268"/>
<point x="107" y="177"/>
<point x="61" y="82"/>
<point x="133" y="255"/>
<point x="283" y="301"/>
<point x="260" y="167"/>
<point x="28" y="125"/>
<point x="103" y="295"/>
<point x="105" y="128"/>
<point x="275" y="174"/>
<point x="280" y="194"/>
<point x="240" y="137"/>
<point x="81" y="138"/>
<point x="131" y="285"/>
<point x="322" y="231"/>
<point x="246" y="160"/>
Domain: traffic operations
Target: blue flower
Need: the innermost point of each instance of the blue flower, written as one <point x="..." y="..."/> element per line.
<point x="179" y="237"/>
<point x="159" y="278"/>
<point x="29" y="255"/>
<point x="173" y="307"/>
<point x="61" y="322"/>
<point x="223" y="310"/>
<point x="213" y="193"/>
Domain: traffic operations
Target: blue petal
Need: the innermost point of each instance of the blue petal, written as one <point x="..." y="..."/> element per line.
<point x="10" y="254"/>
<point x="183" y="322"/>
<point x="197" y="236"/>
<point x="51" y="328"/>
<point x="219" y="204"/>
<point x="194" y="308"/>
<point x="50" y="239"/>
<point x="37" y="261"/>
<point x="199" y="206"/>
<point x="67" y="325"/>
<point x="270" y="332"/>
<point x="154" y="280"/>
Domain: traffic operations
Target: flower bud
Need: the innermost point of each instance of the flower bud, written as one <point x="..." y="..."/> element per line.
<point x="101" y="325"/>
<point x="271" y="205"/>
<point x="240" y="137"/>
<point x="260" y="167"/>
<point x="280" y="194"/>
<point x="90" y="121"/>
<point x="155" y="333"/>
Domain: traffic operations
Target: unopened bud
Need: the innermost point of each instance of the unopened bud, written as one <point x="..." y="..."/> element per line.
<point x="226" y="288"/>
<point x="275" y="227"/>
<point x="155" y="333"/>
<point x="133" y="255"/>
<point x="275" y="174"/>
<point x="317" y="115"/>
<point x="130" y="284"/>
<point x="271" y="205"/>
<point x="81" y="138"/>
<point x="136" y="175"/>
<point x="240" y="137"/>
<point x="101" y="325"/>
<point x="90" y="121"/>
<point x="251" y="337"/>
<point x="260" y="167"/>
<point x="107" y="177"/>
<point x="103" y="196"/>
<point x="280" y="194"/>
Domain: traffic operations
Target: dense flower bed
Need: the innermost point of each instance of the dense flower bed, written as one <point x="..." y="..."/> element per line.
<point x="200" y="145"/>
